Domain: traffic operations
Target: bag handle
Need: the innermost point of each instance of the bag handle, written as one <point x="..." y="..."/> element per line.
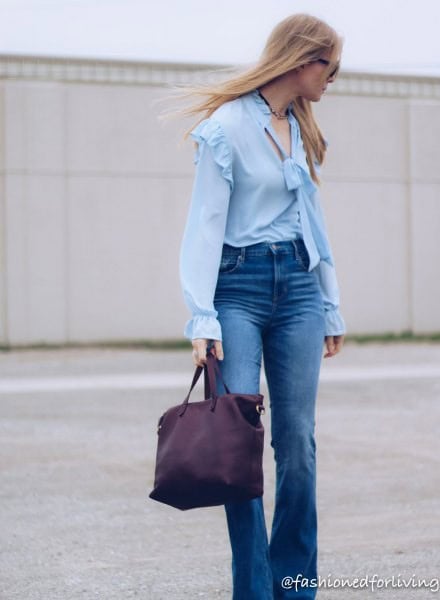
<point x="212" y="375"/>
<point x="211" y="370"/>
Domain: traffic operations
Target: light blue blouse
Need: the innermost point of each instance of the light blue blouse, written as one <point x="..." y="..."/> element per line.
<point x="243" y="194"/>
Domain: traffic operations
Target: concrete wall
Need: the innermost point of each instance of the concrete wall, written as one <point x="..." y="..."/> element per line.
<point x="383" y="204"/>
<point x="94" y="190"/>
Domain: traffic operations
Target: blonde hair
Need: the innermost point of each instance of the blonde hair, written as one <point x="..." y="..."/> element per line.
<point x="295" y="41"/>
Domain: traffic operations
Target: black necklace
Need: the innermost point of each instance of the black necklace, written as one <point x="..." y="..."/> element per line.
<point x="275" y="113"/>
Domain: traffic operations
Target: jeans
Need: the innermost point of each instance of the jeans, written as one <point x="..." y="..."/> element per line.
<point x="270" y="306"/>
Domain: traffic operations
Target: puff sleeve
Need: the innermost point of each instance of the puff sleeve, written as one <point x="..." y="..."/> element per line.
<point x="204" y="233"/>
<point x="326" y="273"/>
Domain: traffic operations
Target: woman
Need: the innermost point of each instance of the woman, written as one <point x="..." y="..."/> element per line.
<point x="258" y="276"/>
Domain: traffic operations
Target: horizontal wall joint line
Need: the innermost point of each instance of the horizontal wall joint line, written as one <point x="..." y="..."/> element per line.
<point x="76" y="70"/>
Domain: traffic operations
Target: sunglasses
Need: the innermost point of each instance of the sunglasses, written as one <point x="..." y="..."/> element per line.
<point x="327" y="63"/>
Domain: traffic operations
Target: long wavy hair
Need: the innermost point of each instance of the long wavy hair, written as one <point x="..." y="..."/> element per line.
<point x="297" y="40"/>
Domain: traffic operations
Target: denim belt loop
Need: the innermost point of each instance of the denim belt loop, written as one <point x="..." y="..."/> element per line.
<point x="242" y="253"/>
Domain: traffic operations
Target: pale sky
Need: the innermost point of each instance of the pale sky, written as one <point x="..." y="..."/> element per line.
<point x="400" y="36"/>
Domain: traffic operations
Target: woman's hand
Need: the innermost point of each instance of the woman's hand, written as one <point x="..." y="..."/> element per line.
<point x="334" y="344"/>
<point x="199" y="351"/>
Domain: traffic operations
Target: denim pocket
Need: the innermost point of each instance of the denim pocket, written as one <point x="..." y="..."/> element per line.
<point x="301" y="255"/>
<point x="230" y="263"/>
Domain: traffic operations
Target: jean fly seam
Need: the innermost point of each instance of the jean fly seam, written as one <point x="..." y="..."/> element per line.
<point x="276" y="281"/>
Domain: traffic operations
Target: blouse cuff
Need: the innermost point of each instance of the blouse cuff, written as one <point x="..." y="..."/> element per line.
<point x="334" y="323"/>
<point x="203" y="327"/>
<point x="211" y="132"/>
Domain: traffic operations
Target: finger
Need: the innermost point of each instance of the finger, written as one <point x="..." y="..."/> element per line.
<point x="218" y="349"/>
<point x="330" y="346"/>
<point x="199" y="351"/>
<point x="333" y="344"/>
<point x="198" y="360"/>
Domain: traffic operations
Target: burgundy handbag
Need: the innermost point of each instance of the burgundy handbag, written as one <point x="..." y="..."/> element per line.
<point x="210" y="452"/>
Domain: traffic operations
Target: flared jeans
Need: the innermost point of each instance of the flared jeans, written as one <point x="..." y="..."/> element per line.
<point x="270" y="307"/>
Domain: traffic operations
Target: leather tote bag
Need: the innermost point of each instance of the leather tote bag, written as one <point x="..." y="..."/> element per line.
<point x="210" y="452"/>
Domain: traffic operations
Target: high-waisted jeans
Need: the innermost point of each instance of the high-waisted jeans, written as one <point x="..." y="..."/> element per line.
<point x="270" y="306"/>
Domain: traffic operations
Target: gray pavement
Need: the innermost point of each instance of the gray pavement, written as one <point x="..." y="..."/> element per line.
<point x="78" y="437"/>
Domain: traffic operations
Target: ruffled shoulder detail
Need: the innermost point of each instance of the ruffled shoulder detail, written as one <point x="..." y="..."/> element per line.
<point x="210" y="132"/>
